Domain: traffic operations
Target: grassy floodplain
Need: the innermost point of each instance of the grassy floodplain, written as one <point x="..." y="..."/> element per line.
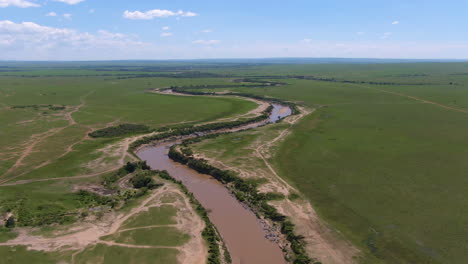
<point x="382" y="159"/>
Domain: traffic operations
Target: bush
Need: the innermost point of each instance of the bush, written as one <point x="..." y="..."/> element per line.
<point x="10" y="223"/>
<point x="144" y="179"/>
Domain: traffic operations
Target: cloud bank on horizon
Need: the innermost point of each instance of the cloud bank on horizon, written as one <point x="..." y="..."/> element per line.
<point x="97" y="30"/>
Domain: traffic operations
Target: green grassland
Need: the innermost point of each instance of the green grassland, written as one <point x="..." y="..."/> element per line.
<point x="20" y="255"/>
<point x="121" y="255"/>
<point x="163" y="215"/>
<point x="157" y="236"/>
<point x="379" y="164"/>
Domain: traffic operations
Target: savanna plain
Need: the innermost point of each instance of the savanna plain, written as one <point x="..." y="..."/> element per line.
<point x="370" y="167"/>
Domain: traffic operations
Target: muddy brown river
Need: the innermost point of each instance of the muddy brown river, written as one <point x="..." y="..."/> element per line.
<point x="238" y="226"/>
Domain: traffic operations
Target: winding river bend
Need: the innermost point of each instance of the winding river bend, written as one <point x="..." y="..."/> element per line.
<point x="239" y="227"/>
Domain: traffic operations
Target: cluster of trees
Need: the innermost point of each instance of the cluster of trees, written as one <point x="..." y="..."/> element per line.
<point x="120" y="130"/>
<point x="247" y="192"/>
<point x="210" y="234"/>
<point x="90" y="199"/>
<point x="109" y="179"/>
<point x="144" y="179"/>
<point x="259" y="82"/>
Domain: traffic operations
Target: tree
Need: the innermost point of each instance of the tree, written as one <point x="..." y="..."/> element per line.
<point x="10" y="223"/>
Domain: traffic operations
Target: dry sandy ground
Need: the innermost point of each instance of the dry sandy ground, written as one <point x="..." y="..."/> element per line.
<point x="82" y="235"/>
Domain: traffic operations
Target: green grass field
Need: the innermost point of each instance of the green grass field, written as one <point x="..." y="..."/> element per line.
<point x="163" y="215"/>
<point x="120" y="255"/>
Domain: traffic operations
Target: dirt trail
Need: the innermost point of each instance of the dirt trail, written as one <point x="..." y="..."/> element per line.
<point x="293" y="120"/>
<point x="110" y="243"/>
<point x="38" y="138"/>
<point x="124" y="153"/>
<point x="419" y="99"/>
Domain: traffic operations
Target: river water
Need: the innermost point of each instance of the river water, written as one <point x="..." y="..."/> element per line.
<point x="238" y="226"/>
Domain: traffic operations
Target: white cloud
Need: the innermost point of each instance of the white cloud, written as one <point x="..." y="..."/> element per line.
<point x="165" y="28"/>
<point x="166" y="34"/>
<point x="307" y="40"/>
<point x="187" y="14"/>
<point x="156" y="13"/>
<point x="206" y="31"/>
<point x="206" y="42"/>
<point x="30" y="40"/>
<point x="17" y="3"/>
<point x="67" y="16"/>
<point x="70" y="2"/>
<point x="395" y="22"/>
<point x="51" y="14"/>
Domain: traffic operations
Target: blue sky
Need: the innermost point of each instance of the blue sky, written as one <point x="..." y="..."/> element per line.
<point x="177" y="29"/>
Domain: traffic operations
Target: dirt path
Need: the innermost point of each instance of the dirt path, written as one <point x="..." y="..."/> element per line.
<point x="38" y="138"/>
<point x="418" y="99"/>
<point x="293" y="120"/>
<point x="110" y="243"/>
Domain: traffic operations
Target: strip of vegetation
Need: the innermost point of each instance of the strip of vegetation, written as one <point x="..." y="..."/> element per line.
<point x="37" y="107"/>
<point x="247" y="192"/>
<point x="325" y="79"/>
<point x="120" y="130"/>
<point x="210" y="234"/>
<point x="200" y="130"/>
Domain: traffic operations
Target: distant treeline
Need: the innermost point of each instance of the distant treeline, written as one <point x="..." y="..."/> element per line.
<point x="247" y="192"/>
<point x="36" y="107"/>
<point x="328" y="79"/>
